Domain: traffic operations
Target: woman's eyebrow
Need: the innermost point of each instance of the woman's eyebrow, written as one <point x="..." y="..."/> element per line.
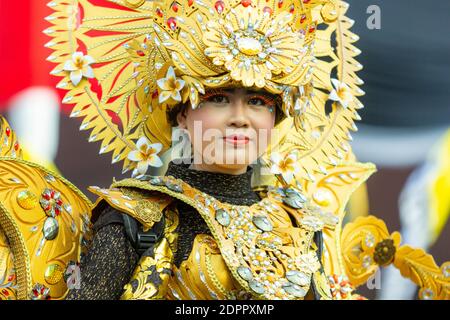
<point x="259" y="92"/>
<point x="249" y="92"/>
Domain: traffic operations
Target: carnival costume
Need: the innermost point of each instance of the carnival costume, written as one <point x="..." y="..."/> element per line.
<point x="127" y="63"/>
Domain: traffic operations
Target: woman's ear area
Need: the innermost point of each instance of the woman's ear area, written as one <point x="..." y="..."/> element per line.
<point x="181" y="118"/>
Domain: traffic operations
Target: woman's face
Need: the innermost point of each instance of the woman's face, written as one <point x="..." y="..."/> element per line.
<point x="230" y="129"/>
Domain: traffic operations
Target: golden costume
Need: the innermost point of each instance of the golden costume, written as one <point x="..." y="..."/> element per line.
<point x="125" y="64"/>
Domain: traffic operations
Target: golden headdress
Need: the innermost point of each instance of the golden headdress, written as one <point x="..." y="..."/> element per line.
<point x="125" y="62"/>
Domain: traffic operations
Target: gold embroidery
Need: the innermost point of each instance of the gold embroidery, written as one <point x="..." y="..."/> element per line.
<point x="151" y="277"/>
<point x="144" y="207"/>
<point x="148" y="210"/>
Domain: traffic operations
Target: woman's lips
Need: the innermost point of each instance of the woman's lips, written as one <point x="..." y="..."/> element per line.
<point x="237" y="139"/>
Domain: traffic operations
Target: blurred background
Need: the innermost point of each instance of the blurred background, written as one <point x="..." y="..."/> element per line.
<point x="405" y="128"/>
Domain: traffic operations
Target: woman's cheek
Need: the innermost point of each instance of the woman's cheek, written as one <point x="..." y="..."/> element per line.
<point x="264" y="128"/>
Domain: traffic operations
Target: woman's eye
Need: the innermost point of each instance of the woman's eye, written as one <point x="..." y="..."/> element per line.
<point x="218" y="99"/>
<point x="256" y="102"/>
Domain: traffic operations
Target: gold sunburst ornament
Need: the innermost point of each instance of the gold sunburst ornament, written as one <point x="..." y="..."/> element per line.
<point x="253" y="46"/>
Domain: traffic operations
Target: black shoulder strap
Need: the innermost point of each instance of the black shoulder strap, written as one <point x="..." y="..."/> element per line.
<point x="140" y="239"/>
<point x="106" y="215"/>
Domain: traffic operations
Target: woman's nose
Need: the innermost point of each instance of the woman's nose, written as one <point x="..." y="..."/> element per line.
<point x="238" y="114"/>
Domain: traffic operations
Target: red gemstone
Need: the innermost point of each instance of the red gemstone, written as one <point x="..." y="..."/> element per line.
<point x="190" y="2"/>
<point x="159" y="12"/>
<point x="219" y="5"/>
<point x="16" y="146"/>
<point x="280" y="3"/>
<point x="5" y="292"/>
<point x="306" y="1"/>
<point x="175" y="7"/>
<point x="303" y="18"/>
<point x="246" y="3"/>
<point x="155" y="94"/>
<point x="291" y="8"/>
<point x="59" y="202"/>
<point x="268" y="9"/>
<point x="57" y="211"/>
<point x="52" y="193"/>
<point x="11" y="277"/>
<point x="140" y="53"/>
<point x="172" y="23"/>
<point x="8" y="132"/>
<point x="312" y="29"/>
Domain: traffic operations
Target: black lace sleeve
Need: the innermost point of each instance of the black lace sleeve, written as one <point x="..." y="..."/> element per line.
<point x="109" y="263"/>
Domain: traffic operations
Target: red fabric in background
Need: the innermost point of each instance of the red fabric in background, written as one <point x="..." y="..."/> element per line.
<point x="22" y="52"/>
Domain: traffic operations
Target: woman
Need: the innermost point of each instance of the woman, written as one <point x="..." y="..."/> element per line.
<point x="254" y="210"/>
<point x="237" y="77"/>
<point x="199" y="231"/>
<point x="235" y="116"/>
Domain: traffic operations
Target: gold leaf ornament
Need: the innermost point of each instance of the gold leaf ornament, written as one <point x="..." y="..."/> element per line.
<point x="360" y="240"/>
<point x="369" y="237"/>
<point x="421" y="268"/>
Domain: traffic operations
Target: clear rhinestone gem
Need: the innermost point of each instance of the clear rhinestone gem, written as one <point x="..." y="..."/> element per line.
<point x="367" y="261"/>
<point x="50" y="229"/>
<point x="262" y="223"/>
<point x="295" y="290"/>
<point x="369" y="240"/>
<point x="223" y="217"/>
<point x="294" y="198"/>
<point x="427" y="294"/>
<point x="446" y="271"/>
<point x="256" y="287"/>
<point x="297" y="277"/>
<point x="245" y="273"/>
<point x="49" y="178"/>
<point x="174" y="187"/>
<point x="157" y="181"/>
<point x="68" y="208"/>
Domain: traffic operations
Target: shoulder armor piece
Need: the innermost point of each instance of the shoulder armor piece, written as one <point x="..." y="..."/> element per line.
<point x="146" y="207"/>
<point x="44" y="227"/>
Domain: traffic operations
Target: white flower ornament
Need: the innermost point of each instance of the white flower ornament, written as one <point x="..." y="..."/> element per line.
<point x="341" y="93"/>
<point x="79" y="67"/>
<point x="287" y="167"/>
<point x="170" y="86"/>
<point x="146" y="155"/>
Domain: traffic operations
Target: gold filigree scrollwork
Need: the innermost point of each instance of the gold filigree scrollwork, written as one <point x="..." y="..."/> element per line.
<point x="367" y="245"/>
<point x="151" y="276"/>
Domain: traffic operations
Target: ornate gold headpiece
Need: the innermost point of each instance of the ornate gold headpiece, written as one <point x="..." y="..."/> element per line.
<point x="125" y="62"/>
